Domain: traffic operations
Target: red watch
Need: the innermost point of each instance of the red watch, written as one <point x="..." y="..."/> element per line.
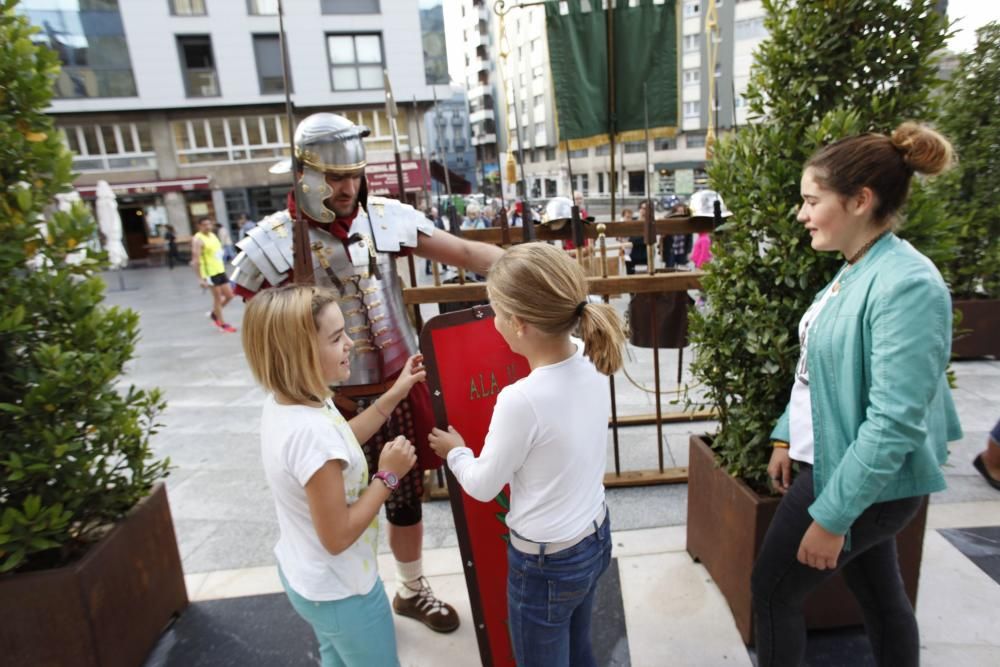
<point x="388" y="478"/>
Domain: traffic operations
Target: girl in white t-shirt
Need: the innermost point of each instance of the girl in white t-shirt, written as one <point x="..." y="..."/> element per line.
<point x="548" y="440"/>
<point x="296" y="346"/>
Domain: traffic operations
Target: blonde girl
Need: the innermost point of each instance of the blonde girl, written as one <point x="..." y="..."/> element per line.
<point x="296" y="346"/>
<point x="548" y="440"/>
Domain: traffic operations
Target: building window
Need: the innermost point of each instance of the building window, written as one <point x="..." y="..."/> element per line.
<point x="238" y="139"/>
<point x="550" y="187"/>
<point x="692" y="8"/>
<point x="262" y="7"/>
<point x="198" y="64"/>
<point x="349" y="6"/>
<point x="600" y="183"/>
<point x="603" y="149"/>
<point x="578" y="153"/>
<point x="187" y="7"/>
<point x="267" y="51"/>
<point x="665" y="144"/>
<point x="695" y="140"/>
<point x="692" y="76"/>
<point x="634" y="146"/>
<point x="109" y="147"/>
<point x="550" y="153"/>
<point x="636" y="183"/>
<point x="692" y="43"/>
<point x="750" y="28"/>
<point x="583" y="183"/>
<point x="692" y="109"/>
<point x="355" y="61"/>
<point x="90" y="44"/>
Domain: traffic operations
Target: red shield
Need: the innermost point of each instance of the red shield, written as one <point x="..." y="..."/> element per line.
<point x="468" y="364"/>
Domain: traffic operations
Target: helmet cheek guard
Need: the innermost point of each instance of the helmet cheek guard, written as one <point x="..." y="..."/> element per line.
<point x="313" y="192"/>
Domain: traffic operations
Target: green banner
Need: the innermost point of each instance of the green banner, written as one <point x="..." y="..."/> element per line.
<point x="645" y="52"/>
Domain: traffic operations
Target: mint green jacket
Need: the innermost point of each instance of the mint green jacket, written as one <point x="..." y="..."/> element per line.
<point x="882" y="411"/>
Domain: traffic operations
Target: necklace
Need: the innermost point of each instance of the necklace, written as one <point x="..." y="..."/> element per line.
<point x="853" y="259"/>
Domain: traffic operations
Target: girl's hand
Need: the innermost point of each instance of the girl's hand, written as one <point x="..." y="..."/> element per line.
<point x="412" y="373"/>
<point x="820" y="548"/>
<point x="398" y="456"/>
<point x="780" y="470"/>
<point x="443" y="442"/>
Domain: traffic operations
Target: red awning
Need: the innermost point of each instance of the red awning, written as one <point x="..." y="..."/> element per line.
<point x="459" y="186"/>
<point x="151" y="187"/>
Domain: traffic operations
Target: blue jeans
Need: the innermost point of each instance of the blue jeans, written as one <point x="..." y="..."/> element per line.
<point x="352" y="632"/>
<point x="550" y="599"/>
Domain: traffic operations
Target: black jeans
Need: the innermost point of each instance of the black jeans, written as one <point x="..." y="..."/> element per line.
<point x="780" y="583"/>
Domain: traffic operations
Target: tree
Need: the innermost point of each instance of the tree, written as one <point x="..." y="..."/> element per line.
<point x="969" y="193"/>
<point x="827" y="70"/>
<point x="75" y="454"/>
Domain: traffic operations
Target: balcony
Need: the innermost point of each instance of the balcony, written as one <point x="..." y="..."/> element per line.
<point x="484" y="139"/>
<point x="480" y="91"/>
<point x="481" y="115"/>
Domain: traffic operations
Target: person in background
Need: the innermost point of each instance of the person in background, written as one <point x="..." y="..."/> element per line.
<point x="228" y="249"/>
<point x="434" y="217"/>
<point x="206" y="258"/>
<point x="245" y="225"/>
<point x="473" y="217"/>
<point x="870" y="413"/>
<point x="173" y="255"/>
<point x="987" y="462"/>
<point x="638" y="253"/>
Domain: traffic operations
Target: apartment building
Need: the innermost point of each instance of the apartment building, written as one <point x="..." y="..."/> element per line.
<point x="179" y="104"/>
<point x="677" y="164"/>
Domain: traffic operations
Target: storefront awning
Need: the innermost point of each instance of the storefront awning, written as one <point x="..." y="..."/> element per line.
<point x="459" y="186"/>
<point x="151" y="187"/>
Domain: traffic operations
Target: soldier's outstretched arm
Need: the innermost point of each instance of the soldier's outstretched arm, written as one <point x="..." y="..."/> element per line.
<point x="449" y="249"/>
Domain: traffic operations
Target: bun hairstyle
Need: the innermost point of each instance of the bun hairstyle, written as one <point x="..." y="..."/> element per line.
<point x="883" y="164"/>
<point x="542" y="286"/>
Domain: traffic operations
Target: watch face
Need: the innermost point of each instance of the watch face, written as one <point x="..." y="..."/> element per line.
<point x="391" y="478"/>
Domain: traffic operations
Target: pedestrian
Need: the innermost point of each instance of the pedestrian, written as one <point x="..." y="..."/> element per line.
<point x="327" y="549"/>
<point x="206" y="258"/>
<point x="473" y="218"/>
<point x="170" y="235"/>
<point x="870" y="413"/>
<point x="356" y="240"/>
<point x="228" y="250"/>
<point x="638" y="253"/>
<point x="550" y="446"/>
<point x="987" y="462"/>
<point x="245" y="225"/>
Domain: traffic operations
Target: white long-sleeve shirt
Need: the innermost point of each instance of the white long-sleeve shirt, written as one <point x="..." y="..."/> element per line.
<point x="548" y="439"/>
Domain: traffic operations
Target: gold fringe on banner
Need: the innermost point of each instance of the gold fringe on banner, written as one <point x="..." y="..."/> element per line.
<point x="631" y="135"/>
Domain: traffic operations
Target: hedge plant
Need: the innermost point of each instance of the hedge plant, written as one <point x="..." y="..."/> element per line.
<point x="970" y="193"/>
<point x="75" y="455"/>
<point x="826" y="70"/>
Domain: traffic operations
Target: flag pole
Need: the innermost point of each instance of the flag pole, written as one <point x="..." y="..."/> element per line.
<point x="302" y="266"/>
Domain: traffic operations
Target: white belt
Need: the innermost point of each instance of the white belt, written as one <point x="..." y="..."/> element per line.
<point x="534" y="548"/>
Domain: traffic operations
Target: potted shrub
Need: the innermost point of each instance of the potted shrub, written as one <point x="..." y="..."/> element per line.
<point x="89" y="567"/>
<point x="970" y="197"/>
<point x="819" y="76"/>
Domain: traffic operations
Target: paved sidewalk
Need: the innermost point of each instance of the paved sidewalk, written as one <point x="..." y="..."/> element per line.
<point x="673" y="613"/>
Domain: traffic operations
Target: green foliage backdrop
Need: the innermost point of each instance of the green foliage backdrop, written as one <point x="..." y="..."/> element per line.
<point x="970" y="193"/>
<point x="75" y="454"/>
<point x="828" y="69"/>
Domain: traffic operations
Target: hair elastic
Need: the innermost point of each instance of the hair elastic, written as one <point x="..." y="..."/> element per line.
<point x="579" y="308"/>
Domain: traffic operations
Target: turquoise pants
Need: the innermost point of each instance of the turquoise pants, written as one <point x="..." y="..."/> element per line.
<point x="353" y="632"/>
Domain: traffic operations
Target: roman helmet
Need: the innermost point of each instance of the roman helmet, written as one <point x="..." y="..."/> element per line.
<point x="326" y="143"/>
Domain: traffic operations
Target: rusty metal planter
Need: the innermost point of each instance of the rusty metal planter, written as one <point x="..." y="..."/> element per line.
<point x="105" y="610"/>
<point x="979" y="332"/>
<point x="726" y="524"/>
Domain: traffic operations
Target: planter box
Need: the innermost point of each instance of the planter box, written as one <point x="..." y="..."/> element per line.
<point x="726" y="524"/>
<point x="106" y="610"/>
<point x="979" y="332"/>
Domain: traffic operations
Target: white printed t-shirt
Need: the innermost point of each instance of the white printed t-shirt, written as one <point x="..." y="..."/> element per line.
<point x="296" y="441"/>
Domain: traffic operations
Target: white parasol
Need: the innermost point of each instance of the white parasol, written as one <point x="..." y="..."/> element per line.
<point x="111" y="225"/>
